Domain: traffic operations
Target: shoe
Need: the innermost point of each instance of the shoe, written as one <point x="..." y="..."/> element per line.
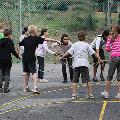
<point x="75" y="96"/>
<point x="6" y="90"/>
<point x="43" y="80"/>
<point x="118" y="96"/>
<point x="102" y="77"/>
<point x="27" y="90"/>
<point x="90" y="96"/>
<point x="105" y="95"/>
<point x="64" y="81"/>
<point x="23" y="74"/>
<point x="36" y="91"/>
<point x="95" y="79"/>
<point x="1" y="90"/>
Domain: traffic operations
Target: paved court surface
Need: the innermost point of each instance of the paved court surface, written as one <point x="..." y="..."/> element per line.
<point x="54" y="102"/>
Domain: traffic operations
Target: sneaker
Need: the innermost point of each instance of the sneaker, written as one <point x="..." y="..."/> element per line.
<point x="36" y="91"/>
<point x="118" y="96"/>
<point x="105" y="95"/>
<point x="6" y="90"/>
<point x="75" y="96"/>
<point x="43" y="80"/>
<point x="1" y="90"/>
<point x="95" y="79"/>
<point x="64" y="81"/>
<point x="27" y="90"/>
<point x="102" y="77"/>
<point x="90" y="96"/>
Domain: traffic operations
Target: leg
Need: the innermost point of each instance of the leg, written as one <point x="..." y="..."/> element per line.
<point x="7" y="79"/>
<point x="70" y="68"/>
<point x="95" y="67"/>
<point x="26" y="79"/>
<point x="41" y="67"/>
<point x="64" y="70"/>
<point x="1" y="79"/>
<point x="76" y="75"/>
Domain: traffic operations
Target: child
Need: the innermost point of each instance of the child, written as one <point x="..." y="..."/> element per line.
<point x="30" y="44"/>
<point x="63" y="48"/>
<point x="113" y="46"/>
<point x="40" y="53"/>
<point x="97" y="45"/>
<point x="6" y="48"/>
<point x="80" y="51"/>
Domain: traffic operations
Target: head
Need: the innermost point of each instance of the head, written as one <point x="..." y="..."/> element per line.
<point x="25" y="30"/>
<point x="7" y="33"/>
<point x="32" y="30"/>
<point x="64" y="39"/>
<point x="44" y="32"/>
<point x="115" y="32"/>
<point x="81" y="35"/>
<point x="105" y="34"/>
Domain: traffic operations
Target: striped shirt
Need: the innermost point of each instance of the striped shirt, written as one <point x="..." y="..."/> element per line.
<point x="113" y="47"/>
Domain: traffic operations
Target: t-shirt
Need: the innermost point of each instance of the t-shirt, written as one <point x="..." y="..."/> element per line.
<point x="80" y="52"/>
<point x="61" y="49"/>
<point x="1" y="35"/>
<point x="98" y="42"/>
<point x="6" y="48"/>
<point x="30" y="44"/>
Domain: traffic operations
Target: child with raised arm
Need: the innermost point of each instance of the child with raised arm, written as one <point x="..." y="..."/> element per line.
<point x="6" y="48"/>
<point x="30" y="44"/>
<point x="80" y="51"/>
<point x="113" y="46"/>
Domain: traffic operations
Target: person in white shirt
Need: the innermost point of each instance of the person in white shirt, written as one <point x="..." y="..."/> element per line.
<point x="98" y="46"/>
<point x="80" y="52"/>
<point x="40" y="53"/>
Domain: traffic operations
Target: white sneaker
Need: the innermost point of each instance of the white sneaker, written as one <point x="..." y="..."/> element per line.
<point x="43" y="80"/>
<point x="118" y="96"/>
<point x="36" y="91"/>
<point x="105" y="94"/>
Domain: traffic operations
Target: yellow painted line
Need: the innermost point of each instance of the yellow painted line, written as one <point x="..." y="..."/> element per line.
<point x="103" y="110"/>
<point x="62" y="102"/>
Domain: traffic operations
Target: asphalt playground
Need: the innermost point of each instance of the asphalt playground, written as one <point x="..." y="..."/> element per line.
<point x="54" y="102"/>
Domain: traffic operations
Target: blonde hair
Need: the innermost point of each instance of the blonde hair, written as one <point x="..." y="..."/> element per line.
<point x="32" y="29"/>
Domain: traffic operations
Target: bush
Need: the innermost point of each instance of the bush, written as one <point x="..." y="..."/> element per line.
<point x="89" y="23"/>
<point x="61" y="6"/>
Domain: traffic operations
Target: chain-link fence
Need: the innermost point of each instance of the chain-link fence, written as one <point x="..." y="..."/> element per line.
<point x="60" y="16"/>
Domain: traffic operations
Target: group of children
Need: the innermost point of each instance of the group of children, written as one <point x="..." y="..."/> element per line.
<point x="32" y="45"/>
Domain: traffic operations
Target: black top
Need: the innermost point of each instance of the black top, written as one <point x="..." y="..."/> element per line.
<point x="6" y="48"/>
<point x="30" y="44"/>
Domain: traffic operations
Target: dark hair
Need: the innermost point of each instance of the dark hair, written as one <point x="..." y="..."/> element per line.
<point x="105" y="34"/>
<point x="7" y="32"/>
<point x="24" y="30"/>
<point x="43" y="31"/>
<point x="81" y="35"/>
<point x="62" y="38"/>
<point x="115" y="32"/>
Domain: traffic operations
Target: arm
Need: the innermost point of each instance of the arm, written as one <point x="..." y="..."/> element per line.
<point x="108" y="43"/>
<point x="52" y="40"/>
<point x="47" y="49"/>
<point x="13" y="50"/>
<point x="98" y="44"/>
<point x="65" y="55"/>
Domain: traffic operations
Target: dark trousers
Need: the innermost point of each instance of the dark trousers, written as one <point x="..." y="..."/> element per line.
<point x="64" y="62"/>
<point x="5" y="75"/>
<point x="41" y="67"/>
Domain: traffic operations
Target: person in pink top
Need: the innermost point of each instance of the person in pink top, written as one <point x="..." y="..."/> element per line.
<point x="113" y="46"/>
